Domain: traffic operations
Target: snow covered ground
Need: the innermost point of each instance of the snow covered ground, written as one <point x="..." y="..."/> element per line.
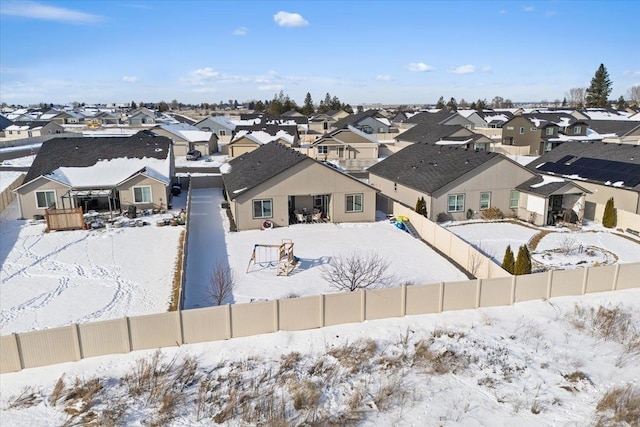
<point x="211" y="161"/>
<point x="63" y="277"/>
<point x="7" y="178"/>
<point x="493" y="237"/>
<point x="539" y="363"/>
<point x="410" y="260"/>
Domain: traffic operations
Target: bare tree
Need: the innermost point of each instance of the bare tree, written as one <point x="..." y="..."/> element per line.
<point x="634" y="95"/>
<point x="357" y="270"/>
<point x="577" y="96"/>
<point x="221" y="282"/>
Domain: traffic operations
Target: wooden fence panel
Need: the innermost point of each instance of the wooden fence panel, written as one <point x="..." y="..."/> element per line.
<point x="384" y="303"/>
<point x="155" y="330"/>
<point x="104" y="337"/>
<point x="297" y="314"/>
<point x="48" y="347"/>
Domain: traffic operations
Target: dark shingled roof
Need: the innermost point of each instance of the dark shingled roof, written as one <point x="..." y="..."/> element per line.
<point x="257" y="166"/>
<point x="4" y="122"/>
<point x="84" y="152"/>
<point x="619" y="127"/>
<point x="353" y="119"/>
<point x="429" y="167"/>
<point x="431" y="118"/>
<point x="547" y="189"/>
<point x="597" y="162"/>
<point x="426" y="132"/>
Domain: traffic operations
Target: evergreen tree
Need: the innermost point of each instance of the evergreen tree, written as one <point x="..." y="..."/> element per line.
<point x="598" y="92"/>
<point x="621" y="104"/>
<point x="523" y="261"/>
<point x="421" y="207"/>
<point x="452" y="105"/>
<point x="481" y="104"/>
<point x="473" y="106"/>
<point x="307" y="108"/>
<point x="133" y="105"/>
<point x="440" y="104"/>
<point x="610" y="215"/>
<point x="564" y="101"/>
<point x="347" y="108"/>
<point x="162" y="106"/>
<point x="259" y="107"/>
<point x="508" y="262"/>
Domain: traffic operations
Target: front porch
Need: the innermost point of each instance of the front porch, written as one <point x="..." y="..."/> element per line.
<point x="548" y="201"/>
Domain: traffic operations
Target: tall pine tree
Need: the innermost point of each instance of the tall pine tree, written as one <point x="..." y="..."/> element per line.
<point x="508" y="262"/>
<point x="440" y="103"/>
<point x="307" y="108"/>
<point x="601" y="85"/>
<point x="523" y="261"/>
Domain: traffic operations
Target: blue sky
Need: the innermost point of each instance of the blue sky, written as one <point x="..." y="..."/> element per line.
<point x="401" y="52"/>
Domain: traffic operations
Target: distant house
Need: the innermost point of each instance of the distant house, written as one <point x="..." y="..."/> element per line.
<point x="538" y="133"/>
<point x="69" y="117"/>
<point x="246" y="141"/>
<point x="105" y="118"/>
<point x="605" y="169"/>
<point x="273" y="181"/>
<point x="344" y="144"/>
<point x="222" y="126"/>
<point x="370" y="121"/>
<point x="443" y="135"/>
<point x="99" y="174"/>
<point x="140" y="116"/>
<point x="321" y="123"/>
<point x="31" y="129"/>
<point x="622" y="131"/>
<point x="441" y="117"/>
<point x="456" y="183"/>
<point x="186" y="137"/>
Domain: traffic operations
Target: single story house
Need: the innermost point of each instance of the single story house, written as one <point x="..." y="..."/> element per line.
<point x="266" y="186"/>
<point x="186" y="137"/>
<point x="605" y="169"/>
<point x="31" y="129"/>
<point x="246" y="141"/>
<point x="457" y="183"/>
<point x="99" y="174"/>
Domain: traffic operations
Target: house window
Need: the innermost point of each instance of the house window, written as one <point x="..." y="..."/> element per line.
<point x="380" y="130"/>
<point x="456" y="203"/>
<point x="45" y="199"/>
<point x="325" y="125"/>
<point x="485" y="200"/>
<point x="550" y="131"/>
<point x="521" y="131"/>
<point x="509" y="127"/>
<point x="534" y="129"/>
<point x="10" y="132"/>
<point x="262" y="208"/>
<point x="323" y="149"/>
<point x="354" y="202"/>
<point x="222" y="132"/>
<point x="577" y="129"/>
<point x="513" y="199"/>
<point x="142" y="194"/>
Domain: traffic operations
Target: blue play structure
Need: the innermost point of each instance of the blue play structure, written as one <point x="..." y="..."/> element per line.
<point x="400" y="223"/>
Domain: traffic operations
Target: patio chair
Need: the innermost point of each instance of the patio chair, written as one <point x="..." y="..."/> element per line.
<point x="317" y="217"/>
<point x="300" y="217"/>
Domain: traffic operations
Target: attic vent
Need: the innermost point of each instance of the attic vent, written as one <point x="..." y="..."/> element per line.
<point x="77" y="147"/>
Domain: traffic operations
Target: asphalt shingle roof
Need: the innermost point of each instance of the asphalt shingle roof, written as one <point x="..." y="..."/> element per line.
<point x="619" y="127"/>
<point x="431" y="118"/>
<point x="354" y="119"/>
<point x="83" y="152"/>
<point x="257" y="166"/>
<point x="426" y="132"/>
<point x="428" y="167"/>
<point x="598" y="162"/>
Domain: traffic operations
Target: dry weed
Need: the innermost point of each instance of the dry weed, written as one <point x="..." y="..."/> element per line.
<point x="620" y="406"/>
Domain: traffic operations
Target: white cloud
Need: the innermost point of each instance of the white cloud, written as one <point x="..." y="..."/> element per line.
<point x="384" y="78"/>
<point x="463" y="69"/>
<point x="288" y="19"/>
<point x="528" y="9"/>
<point x="240" y="31"/>
<point x="33" y="10"/>
<point x="130" y="79"/>
<point x="632" y="73"/>
<point x="271" y="87"/>
<point x="420" y="66"/>
<point x="201" y="76"/>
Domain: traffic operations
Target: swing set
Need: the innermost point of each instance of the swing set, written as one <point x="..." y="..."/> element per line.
<point x="265" y="256"/>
